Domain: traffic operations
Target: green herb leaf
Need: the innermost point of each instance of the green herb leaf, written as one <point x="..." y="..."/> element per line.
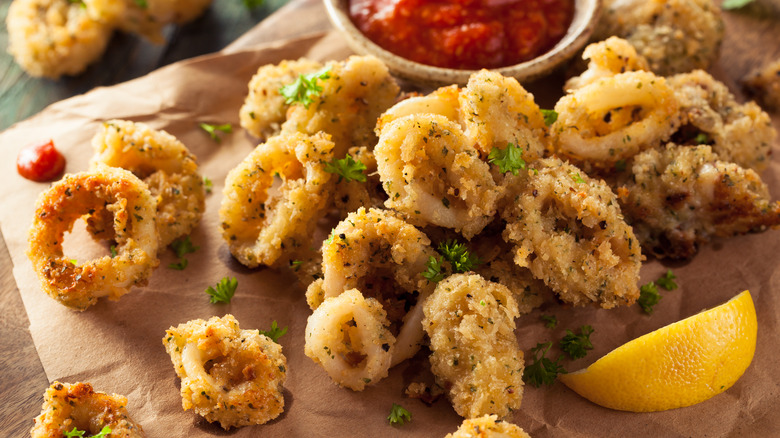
<point x="648" y="297"/>
<point x="542" y="370"/>
<point x="182" y="246"/>
<point x="224" y="292"/>
<point x="295" y="265"/>
<point x="251" y="4"/>
<point x="701" y="138"/>
<point x="459" y="256"/>
<point x="275" y="332"/>
<point x="577" y="178"/>
<point x="550" y="321"/>
<point x="577" y="346"/>
<point x="550" y="116"/>
<point x="74" y="262"/>
<point x="207" y="184"/>
<point x="666" y="281"/>
<point x="398" y="415"/>
<point x="212" y="130"/>
<point x="180" y="265"/>
<point x="433" y="269"/>
<point x="304" y="88"/>
<point x="507" y="160"/>
<point x="347" y="168"/>
<point x="143" y="4"/>
<point x="75" y="433"/>
<point x="734" y="4"/>
<point x="103" y="432"/>
<point x="112" y="248"/>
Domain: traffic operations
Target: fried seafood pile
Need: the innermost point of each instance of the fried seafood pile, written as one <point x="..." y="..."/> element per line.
<point x="142" y="191"/>
<point x="51" y="38"/>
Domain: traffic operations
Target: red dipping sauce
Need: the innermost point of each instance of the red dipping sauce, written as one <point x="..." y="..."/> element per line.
<point x="40" y="162"/>
<point x="464" y="34"/>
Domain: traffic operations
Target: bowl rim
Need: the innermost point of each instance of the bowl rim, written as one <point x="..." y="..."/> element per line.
<point x="583" y="22"/>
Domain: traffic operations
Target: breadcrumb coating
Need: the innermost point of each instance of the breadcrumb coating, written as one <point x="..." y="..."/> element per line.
<point x="763" y="84"/>
<point x="228" y="375"/>
<point x="67" y="406"/>
<point x="487" y="426"/>
<point x="147" y="17"/>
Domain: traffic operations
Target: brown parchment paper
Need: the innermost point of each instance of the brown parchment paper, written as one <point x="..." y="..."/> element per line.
<point x="117" y="345"/>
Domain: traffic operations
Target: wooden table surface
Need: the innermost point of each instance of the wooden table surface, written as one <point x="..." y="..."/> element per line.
<point x="22" y="380"/>
<point x="750" y="40"/>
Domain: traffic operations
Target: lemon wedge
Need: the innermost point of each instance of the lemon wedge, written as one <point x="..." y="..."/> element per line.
<point x="679" y="365"/>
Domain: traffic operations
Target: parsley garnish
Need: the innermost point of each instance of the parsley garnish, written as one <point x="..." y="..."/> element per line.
<point x="251" y="4"/>
<point x="143" y="4"/>
<point x="181" y="247"/>
<point x="542" y="370"/>
<point x="433" y="271"/>
<point x="667" y="281"/>
<point x="275" y="332"/>
<point x="577" y="178"/>
<point x="735" y="4"/>
<point x="550" y="321"/>
<point x="576" y="346"/>
<point x="75" y="433"/>
<point x="112" y="248"/>
<point x="207" y="184"/>
<point x="212" y="130"/>
<point x="304" y="88"/>
<point x="648" y="297"/>
<point x="459" y="256"/>
<point x="507" y="160"/>
<point x="225" y="290"/>
<point x="296" y="264"/>
<point x="347" y="168"/>
<point x="74" y="262"/>
<point x="701" y="138"/>
<point x="398" y="415"/>
<point x="550" y="116"/>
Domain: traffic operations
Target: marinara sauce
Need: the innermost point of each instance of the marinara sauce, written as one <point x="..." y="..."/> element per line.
<point x="464" y="34"/>
<point x="40" y="162"/>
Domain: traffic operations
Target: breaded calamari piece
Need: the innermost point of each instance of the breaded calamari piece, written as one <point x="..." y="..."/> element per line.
<point x="569" y="231"/>
<point x="742" y="134"/>
<point x="262" y="225"/>
<point x="487" y="426"/>
<point x="145" y="17"/>
<point x="164" y="164"/>
<point x="265" y="109"/>
<point x="474" y="352"/>
<point x="763" y="84"/>
<point x="51" y="38"/>
<point x="679" y="197"/>
<point x="67" y="406"/>
<point x="353" y="96"/>
<point x="351" y="195"/>
<point x="674" y="36"/>
<point x="607" y="58"/>
<point x="228" y="375"/>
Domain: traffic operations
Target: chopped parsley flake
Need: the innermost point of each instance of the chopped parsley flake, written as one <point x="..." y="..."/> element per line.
<point x="577" y="346"/>
<point x="212" y="130"/>
<point x="666" y="281"/>
<point x="550" y="116"/>
<point x="648" y="297"/>
<point x="224" y="291"/>
<point x="550" y="321"/>
<point x="398" y="415"/>
<point x="275" y="332"/>
<point x="347" y="168"/>
<point x="542" y="370"/>
<point x="507" y="160"/>
<point x="304" y="88"/>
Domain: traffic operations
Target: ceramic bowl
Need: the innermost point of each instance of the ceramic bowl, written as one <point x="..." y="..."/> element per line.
<point x="586" y="14"/>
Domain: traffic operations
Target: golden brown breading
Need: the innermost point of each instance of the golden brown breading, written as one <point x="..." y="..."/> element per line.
<point x="264" y="109"/>
<point x="52" y="38"/>
<point x="132" y="209"/>
<point x="569" y="231"/>
<point x="164" y="164"/>
<point x="147" y="17"/>
<point x="228" y="375"/>
<point x="675" y="36"/>
<point x="67" y="406"/>
<point x="742" y="134"/>
<point x="263" y="225"/>
<point x="763" y="84"/>
<point x="475" y="355"/>
<point x="348" y="336"/>
<point x="679" y="197"/>
<point x="607" y="58"/>
<point x="356" y="92"/>
<point x="487" y="426"/>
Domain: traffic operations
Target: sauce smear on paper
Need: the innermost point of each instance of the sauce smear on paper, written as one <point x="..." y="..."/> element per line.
<point x="464" y="34"/>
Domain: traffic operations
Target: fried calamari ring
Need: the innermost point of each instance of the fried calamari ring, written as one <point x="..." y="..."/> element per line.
<point x="356" y="92"/>
<point x="679" y="198"/>
<point x="147" y="17"/>
<point x="487" y="426"/>
<point x="132" y="206"/>
<point x="607" y="58"/>
<point x="164" y="164"/>
<point x="348" y="336"/>
<point x="474" y="351"/>
<point x="67" y="406"/>
<point x="51" y="38"/>
<point x="570" y="232"/>
<point x="742" y="134"/>
<point x="228" y="375"/>
<point x="258" y="225"/>
<point x="434" y="176"/>
<point x="615" y="118"/>
<point x="383" y="256"/>
<point x="497" y="110"/>
<point x="442" y="101"/>
<point x="265" y="109"/>
<point x="763" y="84"/>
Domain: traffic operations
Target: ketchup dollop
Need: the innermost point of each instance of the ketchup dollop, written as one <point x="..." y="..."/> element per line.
<point x="464" y="34"/>
<point x="40" y="162"/>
